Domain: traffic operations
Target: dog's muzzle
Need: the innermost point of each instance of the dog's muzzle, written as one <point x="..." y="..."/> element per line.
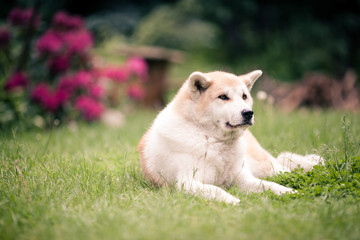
<point x="246" y="116"/>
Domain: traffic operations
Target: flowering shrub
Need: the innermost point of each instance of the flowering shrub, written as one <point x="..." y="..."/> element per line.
<point x="62" y="81"/>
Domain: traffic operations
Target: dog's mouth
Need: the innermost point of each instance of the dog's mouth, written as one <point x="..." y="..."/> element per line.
<point x="245" y="123"/>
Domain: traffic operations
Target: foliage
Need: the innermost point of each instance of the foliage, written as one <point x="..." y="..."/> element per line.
<point x="334" y="179"/>
<point x="285" y="39"/>
<point x="179" y="29"/>
<point x="61" y="80"/>
<point x="106" y="25"/>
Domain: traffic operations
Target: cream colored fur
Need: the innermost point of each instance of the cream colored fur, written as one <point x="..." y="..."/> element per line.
<point x="201" y="141"/>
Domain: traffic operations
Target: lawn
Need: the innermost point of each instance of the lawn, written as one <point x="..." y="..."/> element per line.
<point x="85" y="182"/>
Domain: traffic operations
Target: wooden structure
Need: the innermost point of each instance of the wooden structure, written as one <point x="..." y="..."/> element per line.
<point x="158" y="60"/>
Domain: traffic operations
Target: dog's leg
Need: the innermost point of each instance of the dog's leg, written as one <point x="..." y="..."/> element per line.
<point x="207" y="191"/>
<point x="315" y="159"/>
<point x="292" y="160"/>
<point x="247" y="182"/>
<point x="278" y="167"/>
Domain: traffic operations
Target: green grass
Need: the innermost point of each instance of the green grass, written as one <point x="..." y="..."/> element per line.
<point x="86" y="184"/>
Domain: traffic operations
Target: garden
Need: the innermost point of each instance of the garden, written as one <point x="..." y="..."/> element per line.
<point x="72" y="111"/>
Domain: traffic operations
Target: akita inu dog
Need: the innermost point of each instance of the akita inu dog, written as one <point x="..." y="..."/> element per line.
<point x="201" y="141"/>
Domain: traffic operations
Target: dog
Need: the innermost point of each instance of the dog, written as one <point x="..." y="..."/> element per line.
<point x="200" y="141"/>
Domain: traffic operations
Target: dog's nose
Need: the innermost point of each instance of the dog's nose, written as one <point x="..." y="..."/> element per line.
<point x="247" y="114"/>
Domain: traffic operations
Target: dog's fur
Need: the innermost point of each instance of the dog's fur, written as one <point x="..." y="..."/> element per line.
<point x="201" y="141"/>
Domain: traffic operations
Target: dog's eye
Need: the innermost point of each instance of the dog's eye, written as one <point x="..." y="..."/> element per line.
<point x="224" y="97"/>
<point x="244" y="96"/>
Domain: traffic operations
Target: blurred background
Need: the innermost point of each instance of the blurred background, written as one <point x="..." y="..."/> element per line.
<point x="308" y="50"/>
<point x="285" y="38"/>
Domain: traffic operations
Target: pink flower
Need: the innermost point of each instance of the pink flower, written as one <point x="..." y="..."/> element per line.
<point x="67" y="84"/>
<point x="22" y="17"/>
<point x="82" y="79"/>
<point x="71" y="83"/>
<point x="17" y="80"/>
<point x="40" y="92"/>
<point x="49" y="43"/>
<point x="96" y="91"/>
<point x="55" y="100"/>
<point x="64" y="21"/>
<point x="58" y="64"/>
<point x="5" y="36"/>
<point x="50" y="100"/>
<point x="138" y="67"/>
<point x="74" y="42"/>
<point x="117" y="74"/>
<point x="50" y="104"/>
<point x="89" y="108"/>
<point x="78" y="41"/>
<point x="136" y="92"/>
<point x="61" y="96"/>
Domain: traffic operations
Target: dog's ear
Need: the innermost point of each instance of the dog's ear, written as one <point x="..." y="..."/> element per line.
<point x="198" y="83"/>
<point x="251" y="77"/>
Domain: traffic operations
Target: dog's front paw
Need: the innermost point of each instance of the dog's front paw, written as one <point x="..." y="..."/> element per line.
<point x="232" y="200"/>
<point x="282" y="190"/>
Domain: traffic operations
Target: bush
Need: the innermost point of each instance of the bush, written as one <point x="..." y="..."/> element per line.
<point x="59" y="80"/>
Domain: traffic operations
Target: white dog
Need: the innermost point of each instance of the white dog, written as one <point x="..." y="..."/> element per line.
<point x="201" y="141"/>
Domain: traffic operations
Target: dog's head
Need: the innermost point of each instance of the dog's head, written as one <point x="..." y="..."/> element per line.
<point x="222" y="99"/>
